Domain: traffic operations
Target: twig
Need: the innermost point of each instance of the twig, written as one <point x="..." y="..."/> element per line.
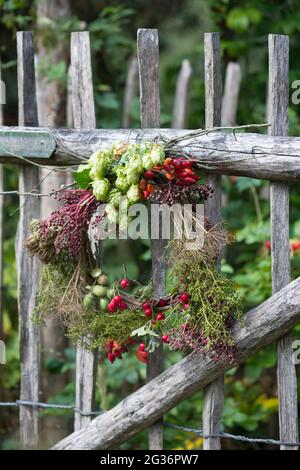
<point x="199" y="132"/>
<point x="36" y="194"/>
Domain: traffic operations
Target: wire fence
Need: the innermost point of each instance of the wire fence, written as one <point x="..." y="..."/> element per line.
<point x="198" y="432"/>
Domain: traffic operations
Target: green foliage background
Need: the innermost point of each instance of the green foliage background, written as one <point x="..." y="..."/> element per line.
<point x="251" y="401"/>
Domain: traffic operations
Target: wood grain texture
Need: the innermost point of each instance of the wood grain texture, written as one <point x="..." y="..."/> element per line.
<point x="148" y="62"/>
<point x="231" y="94"/>
<point x="82" y="81"/>
<point x="262" y="325"/>
<point x="84" y="117"/>
<point x="27" y="267"/>
<point x="280" y="249"/>
<point x="244" y="154"/>
<point x="181" y="100"/>
<point x="213" y="399"/>
<point x="37" y="145"/>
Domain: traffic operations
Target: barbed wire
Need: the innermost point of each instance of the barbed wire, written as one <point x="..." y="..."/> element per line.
<point x="198" y="432"/>
<point x="54" y="406"/>
<point x="226" y="435"/>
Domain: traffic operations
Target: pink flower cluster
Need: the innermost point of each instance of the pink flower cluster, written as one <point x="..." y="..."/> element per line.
<point x="68" y="224"/>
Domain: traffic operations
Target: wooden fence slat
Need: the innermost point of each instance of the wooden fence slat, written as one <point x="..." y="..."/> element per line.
<point x="231" y="94"/>
<point x="262" y="325"/>
<point x="214" y="393"/>
<point x="84" y="117"/>
<point x="130" y="91"/>
<point x="148" y="61"/>
<point x="27" y="267"/>
<point x="280" y="249"/>
<point x="181" y="101"/>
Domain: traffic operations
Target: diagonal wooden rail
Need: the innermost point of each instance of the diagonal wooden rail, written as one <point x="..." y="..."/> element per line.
<point x="262" y="325"/>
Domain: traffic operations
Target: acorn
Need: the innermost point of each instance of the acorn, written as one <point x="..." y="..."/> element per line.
<point x="103" y="280"/>
<point x="99" y="291"/>
<point x="96" y="273"/>
<point x="103" y="305"/>
<point x="88" y="300"/>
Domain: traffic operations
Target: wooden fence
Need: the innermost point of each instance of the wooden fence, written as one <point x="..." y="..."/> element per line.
<point x="260" y="156"/>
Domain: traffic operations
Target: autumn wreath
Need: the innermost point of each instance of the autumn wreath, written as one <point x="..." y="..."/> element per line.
<point x="198" y="311"/>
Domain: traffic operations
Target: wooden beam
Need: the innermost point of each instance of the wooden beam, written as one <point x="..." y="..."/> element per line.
<point x="244" y="154"/>
<point x="262" y="325"/>
<point x="32" y="145"/>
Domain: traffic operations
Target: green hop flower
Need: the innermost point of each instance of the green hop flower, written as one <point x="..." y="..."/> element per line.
<point x="153" y="156"/>
<point x="134" y="169"/>
<point x="121" y="183"/>
<point x="133" y="194"/>
<point x="98" y="163"/>
<point x="114" y="198"/>
<point x="147" y="161"/>
<point x="101" y="189"/>
<point x="157" y="154"/>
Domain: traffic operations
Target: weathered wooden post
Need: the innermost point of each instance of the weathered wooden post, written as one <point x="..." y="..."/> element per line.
<point x="28" y="267"/>
<point x="84" y="117"/>
<point x="214" y="393"/>
<point x="181" y="101"/>
<point x="231" y="94"/>
<point x="130" y="91"/>
<point x="148" y="60"/>
<point x="280" y="245"/>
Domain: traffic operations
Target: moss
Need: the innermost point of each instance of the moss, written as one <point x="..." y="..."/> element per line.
<point x="53" y="284"/>
<point x="106" y="326"/>
<point x="214" y="302"/>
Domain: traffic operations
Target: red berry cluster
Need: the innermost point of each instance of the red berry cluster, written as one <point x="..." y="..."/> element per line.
<point x="184" y="299"/>
<point x="117" y="303"/>
<point x="153" y="309"/>
<point x="178" y="170"/>
<point x="114" y="351"/>
<point x="149" y="310"/>
<point x="174" y="181"/>
<point x="146" y="187"/>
